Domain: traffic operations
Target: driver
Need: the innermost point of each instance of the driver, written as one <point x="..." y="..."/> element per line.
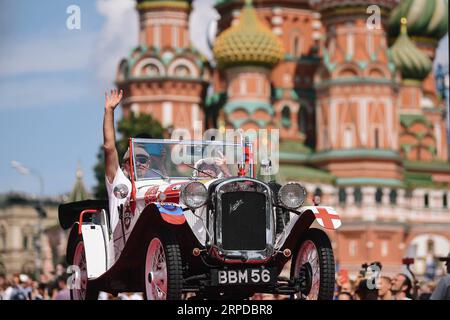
<point x="212" y="167"/>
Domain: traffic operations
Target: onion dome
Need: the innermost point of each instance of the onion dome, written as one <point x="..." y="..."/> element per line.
<point x="249" y="42"/>
<point x="426" y="18"/>
<point x="149" y="4"/>
<point x="410" y="60"/>
<point x="348" y="5"/>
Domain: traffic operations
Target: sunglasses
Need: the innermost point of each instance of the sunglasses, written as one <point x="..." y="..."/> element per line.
<point x="141" y="159"/>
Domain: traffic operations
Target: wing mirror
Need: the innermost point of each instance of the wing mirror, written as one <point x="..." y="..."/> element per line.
<point x="121" y="191"/>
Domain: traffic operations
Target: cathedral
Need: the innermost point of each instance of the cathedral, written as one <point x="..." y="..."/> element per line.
<point x="349" y="85"/>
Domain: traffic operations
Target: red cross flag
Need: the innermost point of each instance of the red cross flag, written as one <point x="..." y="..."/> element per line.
<point x="327" y="217"/>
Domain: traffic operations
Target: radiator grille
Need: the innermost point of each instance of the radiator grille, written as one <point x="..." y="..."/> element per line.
<point x="243" y="221"/>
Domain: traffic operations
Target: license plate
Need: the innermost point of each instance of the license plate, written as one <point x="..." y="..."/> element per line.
<point x="243" y="276"/>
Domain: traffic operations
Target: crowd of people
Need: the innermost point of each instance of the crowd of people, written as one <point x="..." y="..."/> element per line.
<point x="399" y="287"/>
<point x="365" y="287"/>
<point x="54" y="287"/>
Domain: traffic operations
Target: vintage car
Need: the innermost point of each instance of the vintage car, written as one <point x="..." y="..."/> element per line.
<point x="198" y="224"/>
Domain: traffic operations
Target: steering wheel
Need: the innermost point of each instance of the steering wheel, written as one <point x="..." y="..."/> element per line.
<point x="209" y="161"/>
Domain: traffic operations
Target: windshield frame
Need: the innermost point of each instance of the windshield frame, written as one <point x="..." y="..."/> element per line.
<point x="135" y="141"/>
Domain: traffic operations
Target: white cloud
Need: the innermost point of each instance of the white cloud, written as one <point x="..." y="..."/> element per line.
<point x="117" y="37"/>
<point x="203" y="15"/>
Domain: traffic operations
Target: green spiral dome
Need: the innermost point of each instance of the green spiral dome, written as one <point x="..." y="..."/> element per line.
<point x="426" y="18"/>
<point x="410" y="60"/>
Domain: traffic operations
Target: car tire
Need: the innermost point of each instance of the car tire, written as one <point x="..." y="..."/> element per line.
<point x="314" y="259"/>
<point x="78" y="281"/>
<point x="163" y="268"/>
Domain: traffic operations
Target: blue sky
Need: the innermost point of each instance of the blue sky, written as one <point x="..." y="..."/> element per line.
<point x="52" y="81"/>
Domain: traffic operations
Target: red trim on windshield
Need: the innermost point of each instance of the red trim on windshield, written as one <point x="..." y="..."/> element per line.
<point x="133" y="186"/>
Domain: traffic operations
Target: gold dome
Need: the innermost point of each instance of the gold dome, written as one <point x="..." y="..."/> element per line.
<point x="249" y="42"/>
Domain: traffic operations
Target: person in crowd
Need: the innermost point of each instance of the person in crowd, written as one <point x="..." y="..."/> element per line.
<point x="365" y="292"/>
<point x="16" y="290"/>
<point x="40" y="292"/>
<point x="345" y="296"/>
<point x="63" y="292"/>
<point x="442" y="291"/>
<point x="401" y="287"/>
<point x="384" y="288"/>
<point x="426" y="289"/>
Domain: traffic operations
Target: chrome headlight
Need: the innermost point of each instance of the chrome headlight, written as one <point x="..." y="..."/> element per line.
<point x="292" y="195"/>
<point x="194" y="195"/>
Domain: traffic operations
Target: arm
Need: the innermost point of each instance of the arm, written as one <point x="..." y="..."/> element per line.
<point x="109" y="134"/>
<point x="439" y="292"/>
<point x="221" y="162"/>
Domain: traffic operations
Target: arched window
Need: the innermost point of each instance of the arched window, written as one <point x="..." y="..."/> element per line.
<point x="357" y="193"/>
<point x="182" y="71"/>
<point x="426" y="200"/>
<point x="150" y="70"/>
<point x="286" y="117"/>
<point x="352" y="248"/>
<point x="342" y="196"/>
<point x="3" y="238"/>
<point x="25" y="242"/>
<point x="348" y="138"/>
<point x="376" y="137"/>
<point x="302" y="118"/>
<point x="379" y="196"/>
<point x="296" y="45"/>
<point x="393" y="197"/>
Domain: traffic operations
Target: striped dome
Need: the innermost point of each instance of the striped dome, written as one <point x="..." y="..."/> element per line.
<point x="248" y="43"/>
<point x="410" y="60"/>
<point x="426" y="18"/>
<point x="149" y="4"/>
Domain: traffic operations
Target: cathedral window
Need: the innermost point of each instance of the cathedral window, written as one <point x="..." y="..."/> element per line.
<point x="376" y="135"/>
<point x="357" y="193"/>
<point x="350" y="40"/>
<point x="286" y="117"/>
<point x="296" y="45"/>
<point x="348" y="138"/>
<point x="151" y="70"/>
<point x="301" y="119"/>
<point x="379" y="196"/>
<point x="243" y="86"/>
<point x="2" y="238"/>
<point x="352" y="248"/>
<point x="393" y="197"/>
<point x="342" y="196"/>
<point x="175" y="42"/>
<point x="384" y="248"/>
<point x="182" y="71"/>
<point x="25" y="242"/>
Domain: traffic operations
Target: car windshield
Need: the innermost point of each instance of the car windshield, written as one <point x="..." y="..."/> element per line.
<point x="161" y="159"/>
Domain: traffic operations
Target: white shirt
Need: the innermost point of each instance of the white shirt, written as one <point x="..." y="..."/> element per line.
<point x="114" y="202"/>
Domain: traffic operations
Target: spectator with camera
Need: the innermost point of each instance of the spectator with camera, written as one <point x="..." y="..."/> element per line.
<point x="442" y="291"/>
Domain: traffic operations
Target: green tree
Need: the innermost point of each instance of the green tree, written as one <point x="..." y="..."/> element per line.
<point x="143" y="125"/>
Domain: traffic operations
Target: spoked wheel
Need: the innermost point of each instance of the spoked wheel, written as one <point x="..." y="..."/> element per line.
<point x="313" y="267"/>
<point x="163" y="269"/>
<point x="79" y="286"/>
